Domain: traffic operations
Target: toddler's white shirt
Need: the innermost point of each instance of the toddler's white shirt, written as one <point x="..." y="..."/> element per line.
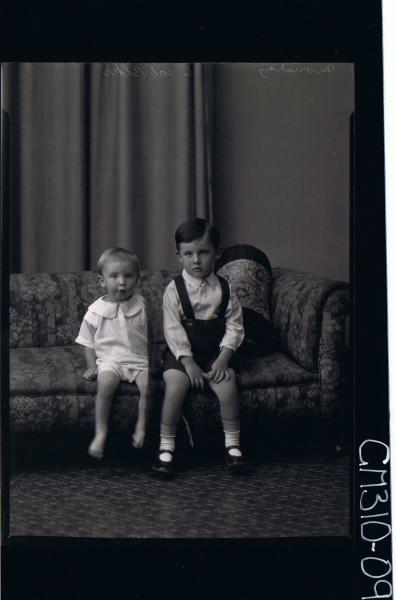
<point x="205" y="297"/>
<point x="117" y="331"/>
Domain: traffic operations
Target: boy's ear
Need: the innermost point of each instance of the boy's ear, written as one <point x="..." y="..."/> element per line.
<point x="179" y="257"/>
<point x="219" y="252"/>
<point x="101" y="280"/>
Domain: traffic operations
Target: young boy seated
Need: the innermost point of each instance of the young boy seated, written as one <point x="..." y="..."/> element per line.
<point x="203" y="328"/>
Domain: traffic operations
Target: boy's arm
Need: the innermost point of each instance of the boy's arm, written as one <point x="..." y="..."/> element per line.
<point x="231" y="341"/>
<point x="177" y="339"/>
<point x="174" y="332"/>
<point x="234" y="332"/>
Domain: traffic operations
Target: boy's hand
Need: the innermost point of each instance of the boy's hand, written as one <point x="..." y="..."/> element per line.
<point x="219" y="370"/>
<point x="194" y="372"/>
<point x="138" y="437"/>
<point x="91" y="373"/>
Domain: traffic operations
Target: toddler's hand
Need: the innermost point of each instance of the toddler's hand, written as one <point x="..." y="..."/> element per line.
<point x="91" y="374"/>
<point x="219" y="371"/>
<point x="138" y="437"/>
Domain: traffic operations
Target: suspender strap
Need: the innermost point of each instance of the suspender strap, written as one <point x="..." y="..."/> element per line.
<point x="185" y="300"/>
<point x="225" y="297"/>
<point x="183" y="296"/>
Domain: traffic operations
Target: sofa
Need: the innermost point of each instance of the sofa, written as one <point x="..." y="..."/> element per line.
<point x="301" y="377"/>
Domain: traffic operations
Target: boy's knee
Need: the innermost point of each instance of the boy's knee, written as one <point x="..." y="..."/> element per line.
<point x="176" y="380"/>
<point x="226" y="382"/>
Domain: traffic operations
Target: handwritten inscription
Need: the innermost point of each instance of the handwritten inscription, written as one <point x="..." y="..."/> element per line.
<point x="266" y="70"/>
<point x="145" y="71"/>
<point x="375" y="526"/>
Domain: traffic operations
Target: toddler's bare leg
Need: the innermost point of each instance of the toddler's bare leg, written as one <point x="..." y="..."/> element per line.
<point x="107" y="386"/>
<point x="143" y="383"/>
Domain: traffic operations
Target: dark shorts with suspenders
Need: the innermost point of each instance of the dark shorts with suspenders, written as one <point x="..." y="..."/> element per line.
<point x="204" y="336"/>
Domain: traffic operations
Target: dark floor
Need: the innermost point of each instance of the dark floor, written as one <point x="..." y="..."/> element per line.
<point x="304" y="495"/>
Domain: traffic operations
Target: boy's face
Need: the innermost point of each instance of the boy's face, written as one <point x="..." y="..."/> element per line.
<point x="119" y="278"/>
<point x="198" y="257"/>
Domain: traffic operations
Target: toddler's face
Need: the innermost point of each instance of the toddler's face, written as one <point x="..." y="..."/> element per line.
<point x="119" y="278"/>
<point x="198" y="257"/>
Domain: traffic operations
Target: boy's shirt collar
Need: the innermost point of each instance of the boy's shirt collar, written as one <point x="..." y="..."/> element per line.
<point x="109" y="310"/>
<point x="197" y="283"/>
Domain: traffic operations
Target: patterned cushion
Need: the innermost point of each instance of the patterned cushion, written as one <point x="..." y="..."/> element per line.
<point x="46" y="309"/>
<point x="249" y="272"/>
<point x="272" y="370"/>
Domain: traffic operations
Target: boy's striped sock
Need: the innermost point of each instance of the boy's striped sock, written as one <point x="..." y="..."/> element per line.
<point x="168" y="441"/>
<point x="231" y="428"/>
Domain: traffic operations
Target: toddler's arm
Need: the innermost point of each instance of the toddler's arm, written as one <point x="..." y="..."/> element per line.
<point x="91" y="372"/>
<point x="86" y="339"/>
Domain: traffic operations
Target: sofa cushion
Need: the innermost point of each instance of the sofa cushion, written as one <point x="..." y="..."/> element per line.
<point x="41" y="371"/>
<point x="273" y="370"/>
<point x="249" y="272"/>
<point x="44" y="371"/>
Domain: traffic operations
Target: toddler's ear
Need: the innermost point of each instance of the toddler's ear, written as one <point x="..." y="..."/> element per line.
<point x="101" y="280"/>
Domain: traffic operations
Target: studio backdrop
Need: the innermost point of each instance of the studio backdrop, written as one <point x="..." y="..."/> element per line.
<point x="110" y="154"/>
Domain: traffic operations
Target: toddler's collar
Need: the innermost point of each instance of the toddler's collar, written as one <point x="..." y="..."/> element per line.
<point x="130" y="307"/>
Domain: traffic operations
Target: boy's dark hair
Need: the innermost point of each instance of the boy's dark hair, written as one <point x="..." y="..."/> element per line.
<point x="195" y="229"/>
<point x="117" y="252"/>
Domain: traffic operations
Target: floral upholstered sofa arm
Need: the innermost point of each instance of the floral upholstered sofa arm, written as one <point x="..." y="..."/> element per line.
<point x="332" y="346"/>
<point x="308" y="314"/>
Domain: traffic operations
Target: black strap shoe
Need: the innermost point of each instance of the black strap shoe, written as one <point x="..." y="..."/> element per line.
<point x="236" y="463"/>
<point x="162" y="467"/>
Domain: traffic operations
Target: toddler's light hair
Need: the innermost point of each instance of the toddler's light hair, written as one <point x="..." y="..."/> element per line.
<point x="117" y="252"/>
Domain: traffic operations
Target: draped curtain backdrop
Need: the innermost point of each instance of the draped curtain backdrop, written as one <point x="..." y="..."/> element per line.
<point x="103" y="155"/>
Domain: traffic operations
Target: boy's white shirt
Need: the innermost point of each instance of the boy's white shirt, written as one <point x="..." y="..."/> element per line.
<point x="117" y="331"/>
<point x="205" y="298"/>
